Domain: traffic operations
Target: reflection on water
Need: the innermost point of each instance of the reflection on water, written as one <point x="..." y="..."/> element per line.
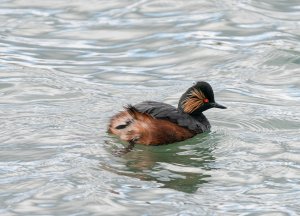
<point x="67" y="66"/>
<point x="182" y="166"/>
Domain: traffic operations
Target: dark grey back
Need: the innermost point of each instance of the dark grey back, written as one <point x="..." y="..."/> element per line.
<point x="198" y="124"/>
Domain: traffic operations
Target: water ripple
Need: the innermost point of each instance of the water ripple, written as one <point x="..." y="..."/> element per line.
<point x="66" y="67"/>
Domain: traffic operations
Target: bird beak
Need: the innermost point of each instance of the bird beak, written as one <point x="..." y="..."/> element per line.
<point x="216" y="105"/>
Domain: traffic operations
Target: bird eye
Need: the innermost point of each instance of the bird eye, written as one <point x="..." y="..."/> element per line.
<point x="205" y="100"/>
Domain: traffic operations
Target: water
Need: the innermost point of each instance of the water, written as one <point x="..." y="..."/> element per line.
<point x="67" y="66"/>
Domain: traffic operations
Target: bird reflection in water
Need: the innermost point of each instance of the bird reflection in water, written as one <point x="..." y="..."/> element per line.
<point x="182" y="166"/>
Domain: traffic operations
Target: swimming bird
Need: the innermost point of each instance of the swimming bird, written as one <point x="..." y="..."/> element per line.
<point x="156" y="123"/>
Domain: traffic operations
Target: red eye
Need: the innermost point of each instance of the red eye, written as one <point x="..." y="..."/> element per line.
<point x="205" y="100"/>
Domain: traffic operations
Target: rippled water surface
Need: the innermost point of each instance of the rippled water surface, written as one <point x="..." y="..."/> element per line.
<point x="67" y="66"/>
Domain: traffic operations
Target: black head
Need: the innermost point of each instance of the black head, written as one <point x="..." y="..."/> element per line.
<point x="198" y="98"/>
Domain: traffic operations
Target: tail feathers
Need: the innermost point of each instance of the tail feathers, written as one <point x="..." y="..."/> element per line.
<point x="134" y="126"/>
<point x="122" y="126"/>
<point x="130" y="125"/>
<point x="137" y="115"/>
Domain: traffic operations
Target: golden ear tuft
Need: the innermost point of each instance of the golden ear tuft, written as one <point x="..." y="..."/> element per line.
<point x="193" y="101"/>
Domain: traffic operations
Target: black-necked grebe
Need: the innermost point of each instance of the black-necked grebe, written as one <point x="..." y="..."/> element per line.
<point x="156" y="123"/>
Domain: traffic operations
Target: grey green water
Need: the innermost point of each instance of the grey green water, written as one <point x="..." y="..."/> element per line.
<point x="67" y="66"/>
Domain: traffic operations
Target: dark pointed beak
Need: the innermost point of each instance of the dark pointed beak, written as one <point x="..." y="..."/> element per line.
<point x="216" y="105"/>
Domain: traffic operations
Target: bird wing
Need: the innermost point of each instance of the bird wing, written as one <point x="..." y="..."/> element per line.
<point x="168" y="112"/>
